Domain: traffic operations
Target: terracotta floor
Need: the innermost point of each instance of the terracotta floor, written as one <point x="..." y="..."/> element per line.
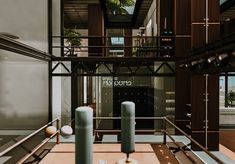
<point x="65" y="154"/>
<point x="227" y="138"/>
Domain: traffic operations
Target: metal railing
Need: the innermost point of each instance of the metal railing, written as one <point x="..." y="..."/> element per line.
<point x="132" y="46"/>
<point x="164" y="131"/>
<point x="165" y="134"/>
<point x="30" y="136"/>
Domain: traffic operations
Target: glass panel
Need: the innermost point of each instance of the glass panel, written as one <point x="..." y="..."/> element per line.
<point x="222" y="91"/>
<point x="231" y="91"/>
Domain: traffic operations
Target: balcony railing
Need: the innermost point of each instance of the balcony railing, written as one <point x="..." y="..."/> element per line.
<point x="134" y="46"/>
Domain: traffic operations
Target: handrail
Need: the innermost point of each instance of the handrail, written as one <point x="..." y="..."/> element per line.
<point x="37" y="148"/>
<point x="166" y="120"/>
<point x="29" y="136"/>
<point x="194" y="141"/>
<point x="137" y="118"/>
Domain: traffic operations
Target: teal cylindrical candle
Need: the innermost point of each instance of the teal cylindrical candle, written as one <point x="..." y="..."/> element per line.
<point x="128" y="127"/>
<point x="84" y="135"/>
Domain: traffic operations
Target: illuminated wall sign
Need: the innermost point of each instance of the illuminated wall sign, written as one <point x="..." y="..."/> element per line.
<point x="108" y="82"/>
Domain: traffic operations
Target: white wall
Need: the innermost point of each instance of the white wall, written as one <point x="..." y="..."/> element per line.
<point x="26" y="19"/>
<point x="23" y="80"/>
<point x="23" y="94"/>
<point x="152" y="16"/>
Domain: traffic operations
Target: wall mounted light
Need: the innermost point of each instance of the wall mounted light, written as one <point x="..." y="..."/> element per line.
<point x="222" y="56"/>
<point x="211" y="59"/>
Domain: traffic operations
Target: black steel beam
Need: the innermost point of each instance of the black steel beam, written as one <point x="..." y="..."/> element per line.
<point x="116" y="59"/>
<point x="118" y="74"/>
<point x="9" y="44"/>
<point x="50" y="51"/>
<point x="62" y="27"/>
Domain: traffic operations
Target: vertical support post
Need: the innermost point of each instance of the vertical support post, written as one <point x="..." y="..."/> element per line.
<point x="164" y="133"/>
<point x="206" y="112"/>
<point x="206" y="22"/>
<point x="50" y="63"/>
<point x="58" y="132"/>
<point x="62" y="27"/>
<point x="128" y="128"/>
<point x="83" y="135"/>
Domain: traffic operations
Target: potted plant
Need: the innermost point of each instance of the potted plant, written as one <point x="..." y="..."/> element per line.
<point x="230" y="99"/>
<point x="73" y="39"/>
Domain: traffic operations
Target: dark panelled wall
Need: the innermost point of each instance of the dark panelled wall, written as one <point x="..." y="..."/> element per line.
<point x="182" y="24"/>
<point x="128" y="41"/>
<point x="95" y="28"/>
<point x="198" y="82"/>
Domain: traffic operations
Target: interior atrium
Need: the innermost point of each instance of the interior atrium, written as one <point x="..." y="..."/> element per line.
<point x="174" y="59"/>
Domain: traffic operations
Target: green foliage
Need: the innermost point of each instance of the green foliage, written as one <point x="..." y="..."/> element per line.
<point x="73" y="35"/>
<point x="230" y="99"/>
<point x="117" y="7"/>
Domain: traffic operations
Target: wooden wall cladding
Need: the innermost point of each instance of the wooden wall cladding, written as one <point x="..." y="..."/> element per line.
<point x="198" y="35"/>
<point x="198" y="117"/>
<point x="212" y="144"/>
<point x="182" y="46"/>
<point x="197" y="102"/>
<point x="128" y="42"/>
<point x="95" y="28"/>
<point x="214" y="32"/>
<point x="214" y="11"/>
<point x="198" y="10"/>
<point x="182" y="26"/>
<point x="182" y="17"/>
<point x="182" y="94"/>
<point x="213" y="103"/>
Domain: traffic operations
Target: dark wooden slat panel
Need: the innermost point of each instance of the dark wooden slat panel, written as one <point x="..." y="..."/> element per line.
<point x="95" y="28"/>
<point x="197" y="10"/>
<point x="198" y="35"/>
<point x="212" y="144"/>
<point x="197" y="101"/>
<point x="128" y="42"/>
<point x="213" y="103"/>
<point x="183" y="18"/>
<point x="214" y="11"/>
<point x="182" y="48"/>
<point x="214" y="32"/>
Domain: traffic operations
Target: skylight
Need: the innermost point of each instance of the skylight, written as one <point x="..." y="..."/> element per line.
<point x="120" y="10"/>
<point x="120" y="7"/>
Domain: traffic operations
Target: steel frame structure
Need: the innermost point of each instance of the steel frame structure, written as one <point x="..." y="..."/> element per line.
<point x="90" y="66"/>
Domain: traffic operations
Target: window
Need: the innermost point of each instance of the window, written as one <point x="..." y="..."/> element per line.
<point x="117" y="40"/>
<point x="227" y="90"/>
